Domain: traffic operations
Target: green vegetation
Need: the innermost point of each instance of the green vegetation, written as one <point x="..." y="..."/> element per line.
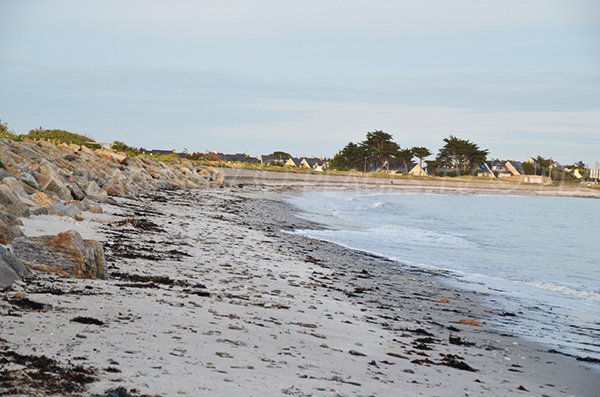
<point x="352" y="156"/>
<point x="421" y="153"/>
<point x="128" y="150"/>
<point x="377" y="152"/>
<point x="405" y="156"/>
<point x="462" y="155"/>
<point x="6" y="132"/>
<point x="30" y="184"/>
<point x="2" y="166"/>
<point x="62" y="136"/>
<point x="281" y="156"/>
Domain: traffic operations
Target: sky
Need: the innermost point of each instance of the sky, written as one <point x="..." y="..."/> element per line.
<point x="518" y="77"/>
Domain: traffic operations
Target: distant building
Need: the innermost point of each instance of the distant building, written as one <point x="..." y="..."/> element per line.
<point x="313" y="163"/>
<point x="292" y="162"/>
<point x="595" y="172"/>
<point x="237" y="157"/>
<point x="417" y="170"/>
<point x="500" y="169"/>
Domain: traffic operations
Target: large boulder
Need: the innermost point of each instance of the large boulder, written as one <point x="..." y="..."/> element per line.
<point x="11" y="268"/>
<point x="11" y="202"/>
<point x="61" y="209"/>
<point x="120" y="158"/>
<point x="66" y="253"/>
<point x="50" y="180"/>
<point x="18" y="189"/>
<point x="94" y="191"/>
<point x="9" y="230"/>
<point x="42" y="199"/>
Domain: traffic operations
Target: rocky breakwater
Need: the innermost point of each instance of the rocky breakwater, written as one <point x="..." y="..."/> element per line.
<point x="39" y="178"/>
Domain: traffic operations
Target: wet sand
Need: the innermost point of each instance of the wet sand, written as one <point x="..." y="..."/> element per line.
<point x="211" y="295"/>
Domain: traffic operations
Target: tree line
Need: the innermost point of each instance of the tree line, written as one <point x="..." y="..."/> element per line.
<point x="379" y="152"/>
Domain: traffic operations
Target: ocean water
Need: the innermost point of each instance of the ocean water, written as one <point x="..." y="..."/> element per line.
<point x="536" y="257"/>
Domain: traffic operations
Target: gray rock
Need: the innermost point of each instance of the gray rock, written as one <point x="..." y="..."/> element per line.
<point x="5" y="174"/>
<point x="11" y="202"/>
<point x="11" y="268"/>
<point x="61" y="209"/>
<point x="8" y="229"/>
<point x="76" y="192"/>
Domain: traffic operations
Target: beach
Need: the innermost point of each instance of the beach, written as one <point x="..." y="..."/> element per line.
<point x="209" y="293"/>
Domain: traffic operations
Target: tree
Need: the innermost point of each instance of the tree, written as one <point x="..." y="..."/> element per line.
<point x="380" y="148"/>
<point x="352" y="156"/>
<point x="542" y="165"/>
<point x="281" y="156"/>
<point x="421" y="152"/>
<point x="461" y="154"/>
<point x="405" y="156"/>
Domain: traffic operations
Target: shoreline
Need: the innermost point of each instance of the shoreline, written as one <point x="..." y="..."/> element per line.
<point x="277" y="313"/>
<point x="235" y="176"/>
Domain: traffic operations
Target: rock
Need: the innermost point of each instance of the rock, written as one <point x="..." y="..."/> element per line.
<point x="11" y="202"/>
<point x="66" y="253"/>
<point x="39" y="211"/>
<point x="110" y="155"/>
<point x="8" y="229"/>
<point x="28" y="178"/>
<point x="114" y="189"/>
<point x="5" y="174"/>
<point x="18" y="189"/>
<point x="70" y="157"/>
<point x="42" y="199"/>
<point x="11" y="268"/>
<point x="61" y="209"/>
<point x="76" y="192"/>
<point x="357" y="353"/>
<point x="96" y="209"/>
<point x="94" y="191"/>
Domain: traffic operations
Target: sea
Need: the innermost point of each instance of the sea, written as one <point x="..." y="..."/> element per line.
<point x="534" y="258"/>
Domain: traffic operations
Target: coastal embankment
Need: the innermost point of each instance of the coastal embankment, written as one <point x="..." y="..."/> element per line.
<point x="204" y="291"/>
<point x="467" y="185"/>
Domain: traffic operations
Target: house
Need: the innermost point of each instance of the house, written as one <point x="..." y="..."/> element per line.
<point x="237" y="157"/>
<point x="417" y="170"/>
<point x="595" y="172"/>
<point x="292" y="162"/>
<point x="500" y="169"/>
<point x="514" y="167"/>
<point x="266" y="159"/>
<point x="575" y="172"/>
<point x="485" y="170"/>
<point x="311" y="162"/>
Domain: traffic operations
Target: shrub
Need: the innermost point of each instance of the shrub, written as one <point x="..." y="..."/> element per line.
<point x="62" y="136"/>
<point x="128" y="150"/>
<point x="2" y="166"/>
<point x="5" y="132"/>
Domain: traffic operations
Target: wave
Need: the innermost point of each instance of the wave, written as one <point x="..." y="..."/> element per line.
<point x="565" y="290"/>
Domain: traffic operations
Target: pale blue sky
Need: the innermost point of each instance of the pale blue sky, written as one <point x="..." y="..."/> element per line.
<point x="520" y="77"/>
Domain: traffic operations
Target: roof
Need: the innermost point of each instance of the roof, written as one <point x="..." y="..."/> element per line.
<point x="313" y="161"/>
<point x="266" y="158"/>
<point x="296" y="161"/>
<point x="241" y="157"/>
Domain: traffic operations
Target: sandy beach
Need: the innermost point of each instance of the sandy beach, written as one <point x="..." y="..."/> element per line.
<point x="209" y="294"/>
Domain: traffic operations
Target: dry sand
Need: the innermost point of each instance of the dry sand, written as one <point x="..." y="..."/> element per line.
<point x="286" y="315"/>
